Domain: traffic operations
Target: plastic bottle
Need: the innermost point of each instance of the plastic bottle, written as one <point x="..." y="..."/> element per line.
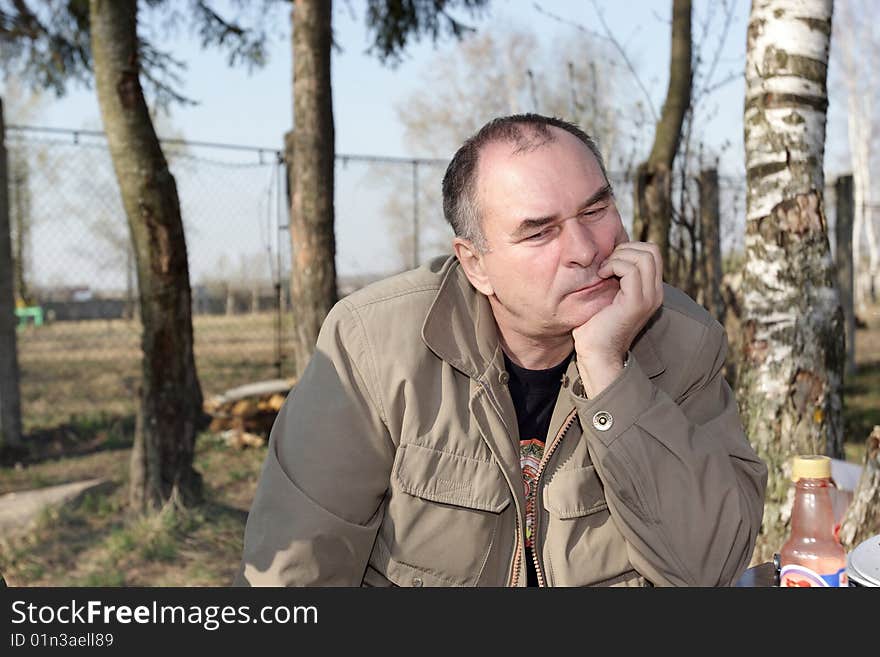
<point x="812" y="555"/>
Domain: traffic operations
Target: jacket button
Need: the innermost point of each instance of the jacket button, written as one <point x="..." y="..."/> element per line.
<point x="603" y="420"/>
<point x="417" y="581"/>
<point x="503" y="378"/>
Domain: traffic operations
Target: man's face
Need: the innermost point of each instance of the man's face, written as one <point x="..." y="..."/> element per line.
<point x="550" y="221"/>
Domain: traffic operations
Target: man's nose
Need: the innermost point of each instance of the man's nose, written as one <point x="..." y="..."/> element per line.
<point x="580" y="246"/>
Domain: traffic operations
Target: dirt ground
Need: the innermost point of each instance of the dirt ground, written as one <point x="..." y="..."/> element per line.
<point x="96" y="543"/>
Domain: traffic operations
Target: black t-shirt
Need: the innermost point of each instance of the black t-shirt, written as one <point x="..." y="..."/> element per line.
<point x="534" y="395"/>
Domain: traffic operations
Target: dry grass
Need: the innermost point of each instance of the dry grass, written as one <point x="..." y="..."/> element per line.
<point x="79" y="388"/>
<point x="98" y="543"/>
<point x="74" y="370"/>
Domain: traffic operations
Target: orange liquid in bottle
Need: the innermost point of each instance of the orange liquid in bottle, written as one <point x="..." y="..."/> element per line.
<point x="812" y="555"/>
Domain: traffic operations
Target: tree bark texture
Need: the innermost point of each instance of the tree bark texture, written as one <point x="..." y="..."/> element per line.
<point x="20" y="220"/>
<point x="710" y="252"/>
<point x="793" y="350"/>
<point x="10" y="398"/>
<point x="843" y="259"/>
<point x="170" y="411"/>
<point x="653" y="202"/>
<point x="313" y="276"/>
<point x="862" y="519"/>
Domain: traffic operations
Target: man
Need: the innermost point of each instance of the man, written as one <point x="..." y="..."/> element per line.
<point x="538" y="409"/>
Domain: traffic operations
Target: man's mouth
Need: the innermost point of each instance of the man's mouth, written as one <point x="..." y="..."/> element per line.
<point x="591" y="287"/>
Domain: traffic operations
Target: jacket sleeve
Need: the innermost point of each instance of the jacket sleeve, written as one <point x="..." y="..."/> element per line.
<point x="681" y="480"/>
<point x="319" y="501"/>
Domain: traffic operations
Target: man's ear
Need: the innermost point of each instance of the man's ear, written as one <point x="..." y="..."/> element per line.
<point x="473" y="264"/>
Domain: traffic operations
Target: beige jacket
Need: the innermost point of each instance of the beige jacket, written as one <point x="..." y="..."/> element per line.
<point x="395" y="459"/>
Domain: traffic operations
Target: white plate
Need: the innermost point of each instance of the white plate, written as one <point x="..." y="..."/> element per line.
<point x="863" y="562"/>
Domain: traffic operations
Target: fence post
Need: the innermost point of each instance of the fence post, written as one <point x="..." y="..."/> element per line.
<point x="10" y="400"/>
<point x="843" y="233"/>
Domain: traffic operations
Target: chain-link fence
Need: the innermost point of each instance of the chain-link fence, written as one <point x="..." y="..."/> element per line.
<point x="75" y="282"/>
<point x="74" y="271"/>
<point x="78" y="345"/>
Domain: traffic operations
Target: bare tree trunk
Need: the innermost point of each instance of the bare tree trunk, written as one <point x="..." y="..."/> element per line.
<point x="862" y="519"/>
<point x="129" y="284"/>
<point x="229" y="304"/>
<point x="313" y="279"/>
<point x="653" y="202"/>
<point x="710" y="224"/>
<point x="792" y="367"/>
<point x="10" y="399"/>
<point x="170" y="411"/>
<point x="21" y="223"/>
<point x="854" y="130"/>
<point x="843" y="229"/>
<point x="873" y="284"/>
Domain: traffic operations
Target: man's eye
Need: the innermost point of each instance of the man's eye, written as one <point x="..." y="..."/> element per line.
<point x="539" y="235"/>
<point x="594" y="212"/>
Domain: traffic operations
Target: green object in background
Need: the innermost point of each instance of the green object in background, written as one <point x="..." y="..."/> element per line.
<point x="34" y="312"/>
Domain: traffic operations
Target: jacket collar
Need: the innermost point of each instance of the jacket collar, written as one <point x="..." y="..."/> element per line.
<point x="460" y="329"/>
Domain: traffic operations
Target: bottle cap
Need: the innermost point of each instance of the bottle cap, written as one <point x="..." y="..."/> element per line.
<point x="811" y="466"/>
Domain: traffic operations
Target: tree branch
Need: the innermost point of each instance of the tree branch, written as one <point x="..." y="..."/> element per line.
<point x="609" y="37"/>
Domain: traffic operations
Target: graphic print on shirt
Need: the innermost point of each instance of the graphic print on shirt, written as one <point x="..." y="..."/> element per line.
<point x="531" y="453"/>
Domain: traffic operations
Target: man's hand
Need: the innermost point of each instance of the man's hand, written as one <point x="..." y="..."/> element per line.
<point x="602" y="342"/>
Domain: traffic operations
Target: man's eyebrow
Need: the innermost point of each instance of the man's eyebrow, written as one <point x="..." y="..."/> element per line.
<point x="602" y="195"/>
<point x="527" y="225"/>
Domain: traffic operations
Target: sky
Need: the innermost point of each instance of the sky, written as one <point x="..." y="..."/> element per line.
<point x="254" y="108"/>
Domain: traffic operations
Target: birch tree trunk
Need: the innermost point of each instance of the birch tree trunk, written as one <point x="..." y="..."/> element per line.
<point x="170" y="409"/>
<point x="313" y="276"/>
<point x="873" y="283"/>
<point x="860" y="56"/>
<point x="853" y="133"/>
<point x="858" y="129"/>
<point x="652" y="216"/>
<point x="790" y="384"/>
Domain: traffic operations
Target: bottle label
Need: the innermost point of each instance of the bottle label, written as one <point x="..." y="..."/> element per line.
<point x="794" y="575"/>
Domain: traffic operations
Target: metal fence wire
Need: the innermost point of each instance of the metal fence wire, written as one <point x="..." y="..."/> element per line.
<point x="79" y="350"/>
<point x="74" y="277"/>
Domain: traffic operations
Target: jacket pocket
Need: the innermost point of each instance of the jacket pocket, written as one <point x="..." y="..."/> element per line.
<point x="582" y="545"/>
<point x="443" y="517"/>
<point x="575" y="493"/>
<point x="444" y="477"/>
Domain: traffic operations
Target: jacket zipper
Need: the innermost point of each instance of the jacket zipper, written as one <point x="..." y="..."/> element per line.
<point x="544" y="460"/>
<point x="518" y="547"/>
<point x="518" y="554"/>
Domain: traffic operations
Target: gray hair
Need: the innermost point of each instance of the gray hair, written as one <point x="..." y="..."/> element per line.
<point x="528" y="132"/>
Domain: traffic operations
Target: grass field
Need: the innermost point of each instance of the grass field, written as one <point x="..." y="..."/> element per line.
<point x="88" y="369"/>
<point x="98" y="543"/>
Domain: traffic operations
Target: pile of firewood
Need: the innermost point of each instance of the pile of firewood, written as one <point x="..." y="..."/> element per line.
<point x="243" y="416"/>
